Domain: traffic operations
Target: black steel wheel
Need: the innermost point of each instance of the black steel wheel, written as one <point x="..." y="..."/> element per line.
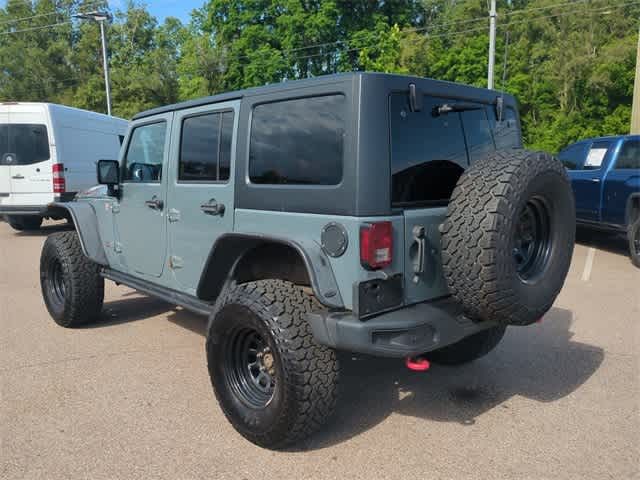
<point x="72" y="287"/>
<point x="532" y="239"/>
<point x="275" y="384"/>
<point x="250" y="367"/>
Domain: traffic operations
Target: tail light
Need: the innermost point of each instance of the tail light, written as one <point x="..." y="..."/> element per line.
<point x="376" y="245"/>
<point x="59" y="185"/>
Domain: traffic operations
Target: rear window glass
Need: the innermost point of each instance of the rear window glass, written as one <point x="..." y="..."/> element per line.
<point x="429" y="152"/>
<point x="506" y="133"/>
<point x="23" y="144"/>
<point x="298" y="141"/>
<point x="629" y="156"/>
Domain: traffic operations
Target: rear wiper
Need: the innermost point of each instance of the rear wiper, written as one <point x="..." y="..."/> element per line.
<point x="454" y="107"/>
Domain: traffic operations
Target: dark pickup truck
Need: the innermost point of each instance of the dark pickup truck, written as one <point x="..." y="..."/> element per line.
<point x="605" y="175"/>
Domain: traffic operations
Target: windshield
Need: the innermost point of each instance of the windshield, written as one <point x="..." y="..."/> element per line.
<point x="23" y="144"/>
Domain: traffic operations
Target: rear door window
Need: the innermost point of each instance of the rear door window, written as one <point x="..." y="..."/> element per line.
<point x="205" y="147"/>
<point x="27" y="144"/>
<point x="629" y="156"/>
<point x="596" y="155"/>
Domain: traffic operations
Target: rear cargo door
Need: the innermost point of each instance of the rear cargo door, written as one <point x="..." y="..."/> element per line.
<point x="5" y="169"/>
<point x="30" y="147"/>
<point x="429" y="152"/>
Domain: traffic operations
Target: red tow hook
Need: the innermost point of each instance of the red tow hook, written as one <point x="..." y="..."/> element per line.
<point x="417" y="364"/>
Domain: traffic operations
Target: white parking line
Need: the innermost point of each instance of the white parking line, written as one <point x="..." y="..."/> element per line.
<point x="588" y="264"/>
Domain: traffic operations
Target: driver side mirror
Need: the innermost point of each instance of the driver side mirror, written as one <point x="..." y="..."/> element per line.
<point x="109" y="174"/>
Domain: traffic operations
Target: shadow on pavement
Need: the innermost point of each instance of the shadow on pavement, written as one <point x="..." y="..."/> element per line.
<point x="616" y="243"/>
<point x="539" y="362"/>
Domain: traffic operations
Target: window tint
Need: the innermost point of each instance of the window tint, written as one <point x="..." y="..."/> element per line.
<point x="573" y="156"/>
<point x="145" y="153"/>
<point x="505" y="132"/>
<point x="29" y="143"/>
<point x="629" y="156"/>
<point x="4" y="141"/>
<point x="596" y="155"/>
<point x="205" y="147"/>
<point x="477" y="133"/>
<point x="427" y="152"/>
<point x="298" y="141"/>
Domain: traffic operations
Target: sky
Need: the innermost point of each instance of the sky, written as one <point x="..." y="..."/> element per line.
<point x="162" y="9"/>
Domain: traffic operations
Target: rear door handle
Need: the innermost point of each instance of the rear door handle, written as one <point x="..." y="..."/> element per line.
<point x="595" y="180"/>
<point x="155" y="203"/>
<point x="18" y="177"/>
<point x="212" y="207"/>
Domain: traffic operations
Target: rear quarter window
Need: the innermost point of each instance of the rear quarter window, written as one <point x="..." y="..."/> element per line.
<point x="629" y="156"/>
<point x="298" y="142"/>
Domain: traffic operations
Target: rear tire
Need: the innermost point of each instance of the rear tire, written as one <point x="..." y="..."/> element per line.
<point x="72" y="287"/>
<point x="275" y="384"/>
<point x="24" y="222"/>
<point x="468" y="349"/>
<point x="633" y="235"/>
<point x="508" y="237"/>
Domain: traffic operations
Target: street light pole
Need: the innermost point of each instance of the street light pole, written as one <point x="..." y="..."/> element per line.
<point x="101" y="17"/>
<point x="492" y="43"/>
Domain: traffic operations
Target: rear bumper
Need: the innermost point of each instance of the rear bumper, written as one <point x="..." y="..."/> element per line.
<point x="22" y="209"/>
<point x="409" y="331"/>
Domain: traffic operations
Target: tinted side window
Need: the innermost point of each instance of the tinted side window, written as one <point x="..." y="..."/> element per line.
<point x="145" y="154"/>
<point x="573" y="156"/>
<point x="596" y="155"/>
<point x="29" y="143"/>
<point x="477" y="133"/>
<point x="298" y="141"/>
<point x="428" y="152"/>
<point x="629" y="156"/>
<point x="205" y="147"/>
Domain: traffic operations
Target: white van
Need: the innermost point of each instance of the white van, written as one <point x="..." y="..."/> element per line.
<point x="48" y="153"/>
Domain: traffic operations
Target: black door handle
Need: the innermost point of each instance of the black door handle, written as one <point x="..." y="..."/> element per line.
<point x="212" y="207"/>
<point x="154" y="203"/>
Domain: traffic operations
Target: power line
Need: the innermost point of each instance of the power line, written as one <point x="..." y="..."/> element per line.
<point x="31" y="29"/>
<point x="564" y="14"/>
<point x="16" y="20"/>
<point x="547" y="7"/>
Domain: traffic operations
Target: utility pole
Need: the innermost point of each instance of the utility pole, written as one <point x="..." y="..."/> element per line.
<point x="101" y="17"/>
<point x="492" y="43"/>
<point x="635" y="110"/>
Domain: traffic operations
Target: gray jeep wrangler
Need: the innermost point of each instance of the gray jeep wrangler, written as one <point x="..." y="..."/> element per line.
<point x="378" y="214"/>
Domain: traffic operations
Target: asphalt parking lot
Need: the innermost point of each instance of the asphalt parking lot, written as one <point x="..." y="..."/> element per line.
<point x="130" y="397"/>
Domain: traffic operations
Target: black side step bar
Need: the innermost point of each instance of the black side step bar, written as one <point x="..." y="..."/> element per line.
<point x="189" y="302"/>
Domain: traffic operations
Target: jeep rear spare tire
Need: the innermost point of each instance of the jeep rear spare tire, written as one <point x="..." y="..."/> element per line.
<point x="508" y="237"/>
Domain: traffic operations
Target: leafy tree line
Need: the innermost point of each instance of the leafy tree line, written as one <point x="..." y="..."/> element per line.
<point x="571" y="65"/>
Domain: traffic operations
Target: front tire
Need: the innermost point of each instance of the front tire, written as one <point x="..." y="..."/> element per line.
<point x="468" y="349"/>
<point x="275" y="384"/>
<point x="634" y="242"/>
<point x="24" y="222"/>
<point x="72" y="287"/>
